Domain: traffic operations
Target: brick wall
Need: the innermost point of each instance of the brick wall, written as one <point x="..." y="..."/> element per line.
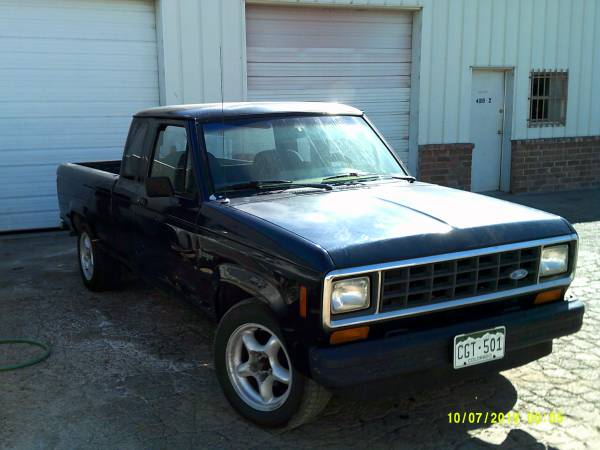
<point x="446" y="164"/>
<point x="543" y="165"/>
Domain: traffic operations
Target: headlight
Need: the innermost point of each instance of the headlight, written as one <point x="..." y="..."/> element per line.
<point x="554" y="260"/>
<point x="350" y="295"/>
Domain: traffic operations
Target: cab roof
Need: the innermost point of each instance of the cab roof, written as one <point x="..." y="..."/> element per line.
<point x="229" y="110"/>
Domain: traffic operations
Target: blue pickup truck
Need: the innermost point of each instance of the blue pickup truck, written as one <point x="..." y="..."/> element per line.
<point x="325" y="264"/>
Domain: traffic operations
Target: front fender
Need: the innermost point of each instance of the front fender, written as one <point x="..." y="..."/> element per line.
<point x="257" y="285"/>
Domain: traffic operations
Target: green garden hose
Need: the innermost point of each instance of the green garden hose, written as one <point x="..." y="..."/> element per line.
<point x="47" y="349"/>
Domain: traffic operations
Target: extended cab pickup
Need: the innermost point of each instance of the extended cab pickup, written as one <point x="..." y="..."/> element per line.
<point x="326" y="265"/>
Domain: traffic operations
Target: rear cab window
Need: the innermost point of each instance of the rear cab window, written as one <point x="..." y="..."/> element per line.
<point x="134" y="153"/>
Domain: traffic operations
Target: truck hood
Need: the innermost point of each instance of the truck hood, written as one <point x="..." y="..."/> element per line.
<point x="393" y="221"/>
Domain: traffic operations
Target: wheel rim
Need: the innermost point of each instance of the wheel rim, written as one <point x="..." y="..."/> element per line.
<point x="86" y="256"/>
<point x="259" y="367"/>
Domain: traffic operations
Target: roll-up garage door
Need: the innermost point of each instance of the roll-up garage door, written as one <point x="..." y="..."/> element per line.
<point x="354" y="56"/>
<point x="71" y="74"/>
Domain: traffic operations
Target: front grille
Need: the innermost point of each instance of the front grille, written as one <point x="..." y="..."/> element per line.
<point x="439" y="282"/>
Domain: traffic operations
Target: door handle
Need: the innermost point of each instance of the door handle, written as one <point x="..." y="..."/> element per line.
<point x="142" y="201"/>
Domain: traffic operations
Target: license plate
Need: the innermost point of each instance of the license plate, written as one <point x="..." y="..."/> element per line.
<point x="479" y="347"/>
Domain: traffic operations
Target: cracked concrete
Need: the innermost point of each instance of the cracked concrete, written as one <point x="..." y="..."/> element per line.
<point x="133" y="369"/>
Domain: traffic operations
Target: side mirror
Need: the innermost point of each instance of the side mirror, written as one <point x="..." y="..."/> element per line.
<point x="159" y="187"/>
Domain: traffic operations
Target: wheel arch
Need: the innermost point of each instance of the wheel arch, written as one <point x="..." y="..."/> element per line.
<point x="237" y="283"/>
<point x="76" y="221"/>
<point x="79" y="216"/>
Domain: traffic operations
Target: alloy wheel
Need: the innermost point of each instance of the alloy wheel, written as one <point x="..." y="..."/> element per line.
<point x="86" y="255"/>
<point x="259" y="367"/>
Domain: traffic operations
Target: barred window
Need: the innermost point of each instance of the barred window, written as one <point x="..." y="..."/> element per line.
<point x="548" y="98"/>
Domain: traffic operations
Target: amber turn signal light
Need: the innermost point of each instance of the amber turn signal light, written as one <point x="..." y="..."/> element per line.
<point x="349" y="335"/>
<point x="548" y="296"/>
<point x="303" y="306"/>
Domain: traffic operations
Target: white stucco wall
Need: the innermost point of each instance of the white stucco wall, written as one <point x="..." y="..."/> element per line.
<point x="456" y="35"/>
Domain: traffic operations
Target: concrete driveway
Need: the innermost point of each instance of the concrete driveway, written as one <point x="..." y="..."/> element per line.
<point x="133" y="369"/>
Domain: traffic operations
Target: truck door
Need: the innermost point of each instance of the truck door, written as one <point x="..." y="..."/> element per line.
<point x="167" y="239"/>
<point x="126" y="190"/>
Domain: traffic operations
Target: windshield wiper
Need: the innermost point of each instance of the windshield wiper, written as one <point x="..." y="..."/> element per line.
<point x="274" y="184"/>
<point x="325" y="186"/>
<point x="356" y="176"/>
<point x="353" y="175"/>
<point x="408" y="178"/>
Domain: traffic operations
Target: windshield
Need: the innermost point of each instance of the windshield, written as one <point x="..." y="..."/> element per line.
<point x="319" y="149"/>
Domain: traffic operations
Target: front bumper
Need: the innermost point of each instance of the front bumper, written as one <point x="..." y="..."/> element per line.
<point x="425" y="357"/>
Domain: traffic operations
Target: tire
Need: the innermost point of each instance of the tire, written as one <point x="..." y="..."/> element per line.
<point x="99" y="272"/>
<point x="241" y="372"/>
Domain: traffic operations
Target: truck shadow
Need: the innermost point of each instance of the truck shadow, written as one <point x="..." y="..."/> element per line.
<point x="422" y="420"/>
<point x="395" y="420"/>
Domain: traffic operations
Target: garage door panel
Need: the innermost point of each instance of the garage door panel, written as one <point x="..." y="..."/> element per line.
<point x="38" y="94"/>
<point x="389" y="120"/>
<point x="26" y="176"/>
<point x="300" y="69"/>
<point x="71" y="11"/>
<point x="297" y="84"/>
<point x="72" y="74"/>
<point x="326" y="15"/>
<point x="400" y="107"/>
<point x="79" y="30"/>
<point x="397" y="108"/>
<point x="21" y="191"/>
<point x="71" y="109"/>
<point x="375" y="108"/>
<point x="29" y="203"/>
<point x="400" y="145"/>
<point x="327" y="55"/>
<point x="332" y="23"/>
<point x="43" y="126"/>
<point x="48" y="155"/>
<point x="349" y="40"/>
<point x="20" y="182"/>
<point x="50" y="46"/>
<point x="83" y="6"/>
<point x="343" y="35"/>
<point x="60" y="61"/>
<point x="51" y="142"/>
<point x="44" y="177"/>
<point x="394" y="136"/>
<point x="22" y="78"/>
<point x="46" y="218"/>
<point x="366" y="95"/>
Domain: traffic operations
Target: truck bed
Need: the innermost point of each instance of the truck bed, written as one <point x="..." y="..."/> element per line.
<point x="113" y="167"/>
<point x="84" y="185"/>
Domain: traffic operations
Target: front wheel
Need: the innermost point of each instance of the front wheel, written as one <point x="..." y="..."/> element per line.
<point x="256" y="373"/>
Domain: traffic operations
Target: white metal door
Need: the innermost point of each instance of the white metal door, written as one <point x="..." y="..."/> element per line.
<point x="358" y="57"/>
<point x="487" y="125"/>
<point x="71" y="74"/>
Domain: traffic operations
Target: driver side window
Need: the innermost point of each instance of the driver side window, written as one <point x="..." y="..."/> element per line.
<point x="172" y="159"/>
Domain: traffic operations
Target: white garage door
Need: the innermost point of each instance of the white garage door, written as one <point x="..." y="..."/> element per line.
<point x="358" y="57"/>
<point x="71" y="74"/>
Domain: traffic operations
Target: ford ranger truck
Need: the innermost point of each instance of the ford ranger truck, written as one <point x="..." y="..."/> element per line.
<point x="327" y="267"/>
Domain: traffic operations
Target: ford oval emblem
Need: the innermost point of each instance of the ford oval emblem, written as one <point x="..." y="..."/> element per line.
<point x="518" y="274"/>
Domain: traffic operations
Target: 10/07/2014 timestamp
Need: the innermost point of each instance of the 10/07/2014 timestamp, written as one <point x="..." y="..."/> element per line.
<point x="507" y="418"/>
